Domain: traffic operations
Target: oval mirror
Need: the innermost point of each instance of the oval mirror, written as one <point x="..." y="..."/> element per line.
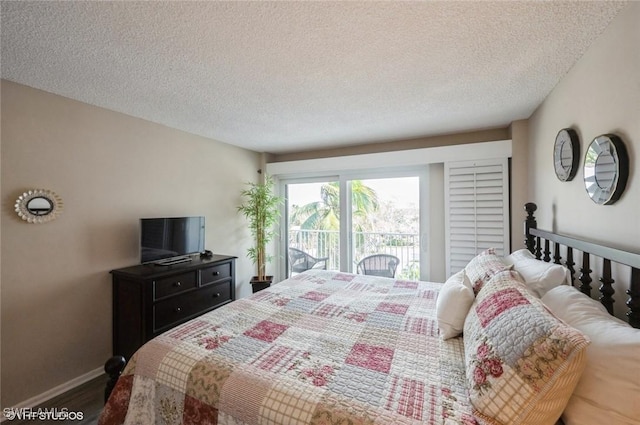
<point x="38" y="206"/>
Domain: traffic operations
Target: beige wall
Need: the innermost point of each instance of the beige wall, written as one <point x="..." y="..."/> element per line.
<point x="110" y="169"/>
<point x="519" y="181"/>
<point x="601" y="94"/>
<point x="488" y="135"/>
<point x="436" y="232"/>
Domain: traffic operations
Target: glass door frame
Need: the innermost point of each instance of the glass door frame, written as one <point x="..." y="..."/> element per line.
<point x="346" y="234"/>
<point x="283" y="240"/>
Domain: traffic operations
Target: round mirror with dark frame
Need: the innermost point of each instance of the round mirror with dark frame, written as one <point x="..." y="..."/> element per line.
<point x="38" y="206"/>
<point x="606" y="169"/>
<point x="566" y="154"/>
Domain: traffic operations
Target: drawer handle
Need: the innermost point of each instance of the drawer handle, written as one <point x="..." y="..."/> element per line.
<point x="216" y="273"/>
<point x="177" y="310"/>
<point x="216" y="295"/>
<point x="177" y="284"/>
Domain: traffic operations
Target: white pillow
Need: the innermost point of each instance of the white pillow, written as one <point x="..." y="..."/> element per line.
<point x="539" y="276"/>
<point x="521" y="254"/>
<point x="453" y="304"/>
<point x="608" y="390"/>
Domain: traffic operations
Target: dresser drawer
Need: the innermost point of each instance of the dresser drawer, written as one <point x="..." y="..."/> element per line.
<point x="174" y="284"/>
<point x="182" y="307"/>
<point x="215" y="273"/>
<point x="218" y="294"/>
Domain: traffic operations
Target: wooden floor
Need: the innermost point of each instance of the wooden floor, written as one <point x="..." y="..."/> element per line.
<point x="87" y="398"/>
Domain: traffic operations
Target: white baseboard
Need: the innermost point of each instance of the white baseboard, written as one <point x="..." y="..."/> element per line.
<point x="56" y="391"/>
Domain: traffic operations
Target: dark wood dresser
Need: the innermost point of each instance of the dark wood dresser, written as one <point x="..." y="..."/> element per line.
<point x="150" y="299"/>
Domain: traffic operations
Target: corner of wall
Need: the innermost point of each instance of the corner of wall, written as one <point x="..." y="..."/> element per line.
<point x="520" y="189"/>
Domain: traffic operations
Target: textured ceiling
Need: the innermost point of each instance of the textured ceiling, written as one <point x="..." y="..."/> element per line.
<point x="291" y="76"/>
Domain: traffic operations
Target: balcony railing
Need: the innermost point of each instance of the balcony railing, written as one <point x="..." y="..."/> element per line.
<point x="326" y="243"/>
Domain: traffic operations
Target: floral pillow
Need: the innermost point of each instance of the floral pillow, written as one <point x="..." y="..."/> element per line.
<point x="482" y="268"/>
<point x="522" y="363"/>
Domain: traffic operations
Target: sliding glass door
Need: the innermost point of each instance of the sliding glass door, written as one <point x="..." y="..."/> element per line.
<point x="337" y="223"/>
<point x="313" y="225"/>
<point x="385" y="225"/>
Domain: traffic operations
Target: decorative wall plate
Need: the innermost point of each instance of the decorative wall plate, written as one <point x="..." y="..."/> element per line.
<point x="566" y="154"/>
<point x="38" y="206"/>
<point x="606" y="169"/>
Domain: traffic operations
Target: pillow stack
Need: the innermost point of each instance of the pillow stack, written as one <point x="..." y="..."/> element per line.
<point x="527" y="341"/>
<point x="458" y="292"/>
<point x="455" y="299"/>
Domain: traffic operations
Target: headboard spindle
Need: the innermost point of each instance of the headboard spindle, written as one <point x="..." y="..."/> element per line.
<point x="533" y="242"/>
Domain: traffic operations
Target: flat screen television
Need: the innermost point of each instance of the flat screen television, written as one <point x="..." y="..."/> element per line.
<point x="170" y="240"/>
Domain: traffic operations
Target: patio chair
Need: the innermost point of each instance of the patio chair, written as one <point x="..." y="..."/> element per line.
<point x="379" y="265"/>
<point x="300" y="261"/>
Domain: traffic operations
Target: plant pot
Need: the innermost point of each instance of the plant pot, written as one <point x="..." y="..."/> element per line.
<point x="259" y="285"/>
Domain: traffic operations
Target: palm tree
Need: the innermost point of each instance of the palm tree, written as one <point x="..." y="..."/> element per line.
<point x="325" y="213"/>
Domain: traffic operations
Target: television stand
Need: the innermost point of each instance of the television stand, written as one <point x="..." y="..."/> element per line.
<point x="172" y="261"/>
<point x="148" y="301"/>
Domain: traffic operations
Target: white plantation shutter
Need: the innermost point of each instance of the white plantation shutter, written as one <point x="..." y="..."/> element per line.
<point x="476" y="210"/>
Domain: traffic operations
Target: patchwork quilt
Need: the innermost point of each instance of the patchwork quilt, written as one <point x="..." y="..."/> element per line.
<point x="322" y="347"/>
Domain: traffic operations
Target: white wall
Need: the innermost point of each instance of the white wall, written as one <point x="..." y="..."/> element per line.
<point x="110" y="169"/>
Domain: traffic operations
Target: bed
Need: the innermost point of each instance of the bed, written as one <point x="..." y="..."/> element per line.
<point x="498" y="343"/>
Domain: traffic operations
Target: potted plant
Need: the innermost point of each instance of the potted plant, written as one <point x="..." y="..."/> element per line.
<point x="261" y="207"/>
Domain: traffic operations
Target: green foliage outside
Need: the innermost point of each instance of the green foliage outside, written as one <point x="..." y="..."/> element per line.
<point x="325" y="213"/>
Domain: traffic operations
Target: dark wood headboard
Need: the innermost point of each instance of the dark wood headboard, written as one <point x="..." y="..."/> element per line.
<point x="539" y="243"/>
